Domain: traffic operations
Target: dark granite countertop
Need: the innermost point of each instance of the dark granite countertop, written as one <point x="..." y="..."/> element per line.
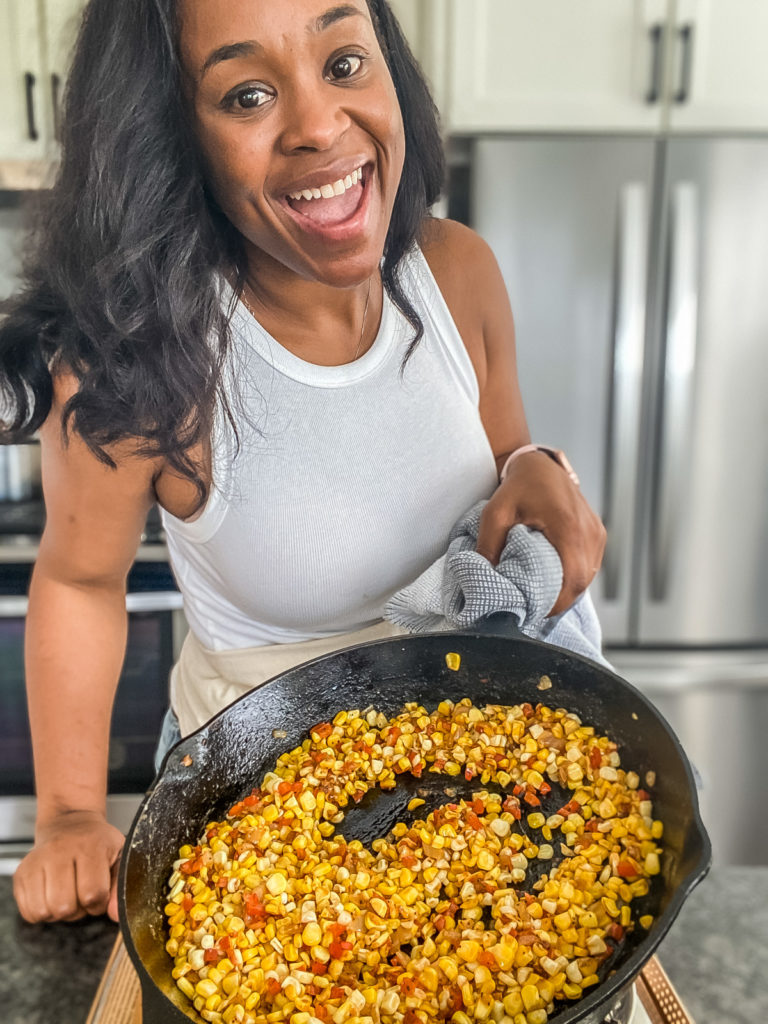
<point x="716" y="955"/>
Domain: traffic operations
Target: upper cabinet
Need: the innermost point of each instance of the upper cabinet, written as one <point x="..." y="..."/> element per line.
<point x="593" y="65"/>
<point x="23" y="127"/>
<point x="719" y="78"/>
<point x="554" y="65"/>
<point x="36" y="39"/>
<point x="61" y="22"/>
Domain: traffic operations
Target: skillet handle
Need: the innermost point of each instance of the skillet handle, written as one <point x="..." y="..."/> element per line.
<point x="498" y="624"/>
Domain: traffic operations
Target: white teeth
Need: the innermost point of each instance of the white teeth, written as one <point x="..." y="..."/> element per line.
<point x="337" y="188"/>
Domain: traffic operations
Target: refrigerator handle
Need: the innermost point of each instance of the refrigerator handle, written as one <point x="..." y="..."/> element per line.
<point x="628" y="348"/>
<point x="678" y="383"/>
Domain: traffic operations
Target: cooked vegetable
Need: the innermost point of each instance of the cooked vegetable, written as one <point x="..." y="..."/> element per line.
<point x="275" y="916"/>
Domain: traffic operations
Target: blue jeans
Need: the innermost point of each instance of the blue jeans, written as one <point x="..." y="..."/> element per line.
<point x="170" y="734"/>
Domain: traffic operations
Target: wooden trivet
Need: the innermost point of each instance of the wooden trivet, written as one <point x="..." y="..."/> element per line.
<point x="118" y="1000"/>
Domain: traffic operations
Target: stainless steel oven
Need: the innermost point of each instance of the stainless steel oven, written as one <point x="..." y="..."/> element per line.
<point x="156" y="628"/>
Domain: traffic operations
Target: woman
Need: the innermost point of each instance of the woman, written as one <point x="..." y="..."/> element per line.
<point x="239" y="308"/>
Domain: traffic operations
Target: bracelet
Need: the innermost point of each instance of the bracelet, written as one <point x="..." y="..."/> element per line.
<point x="553" y="453"/>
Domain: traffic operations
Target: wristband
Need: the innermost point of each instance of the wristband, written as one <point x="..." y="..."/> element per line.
<point x="554" y="453"/>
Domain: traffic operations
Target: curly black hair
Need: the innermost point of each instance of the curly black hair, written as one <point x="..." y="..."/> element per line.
<point x="120" y="281"/>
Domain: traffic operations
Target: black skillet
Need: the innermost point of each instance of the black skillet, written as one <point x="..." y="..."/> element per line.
<point x="208" y="771"/>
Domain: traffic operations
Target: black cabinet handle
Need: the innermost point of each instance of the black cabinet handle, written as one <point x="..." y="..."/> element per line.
<point x="657" y="46"/>
<point x="55" y="93"/>
<point x="29" y="88"/>
<point x="685" y="34"/>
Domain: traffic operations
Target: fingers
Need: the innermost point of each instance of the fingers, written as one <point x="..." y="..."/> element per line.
<point x="70" y="875"/>
<point x="580" y="564"/>
<point x="495" y="524"/>
<point x="93" y="881"/>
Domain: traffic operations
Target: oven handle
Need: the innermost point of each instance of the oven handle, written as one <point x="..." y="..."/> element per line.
<point x="15" y="607"/>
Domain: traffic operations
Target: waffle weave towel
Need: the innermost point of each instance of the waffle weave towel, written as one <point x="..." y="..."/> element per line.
<point x="462" y="587"/>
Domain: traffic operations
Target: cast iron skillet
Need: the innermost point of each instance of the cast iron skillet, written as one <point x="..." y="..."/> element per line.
<point x="208" y="771"/>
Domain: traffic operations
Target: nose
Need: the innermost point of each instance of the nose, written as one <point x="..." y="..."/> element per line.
<point x="314" y="118"/>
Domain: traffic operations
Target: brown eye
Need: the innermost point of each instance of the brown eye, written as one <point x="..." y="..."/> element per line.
<point x="346" y="66"/>
<point x="247" y="98"/>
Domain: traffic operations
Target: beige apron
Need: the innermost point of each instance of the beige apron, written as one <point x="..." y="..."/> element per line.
<point x="204" y="682"/>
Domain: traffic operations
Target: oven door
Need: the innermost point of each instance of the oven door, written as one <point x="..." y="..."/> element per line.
<point x="155" y="629"/>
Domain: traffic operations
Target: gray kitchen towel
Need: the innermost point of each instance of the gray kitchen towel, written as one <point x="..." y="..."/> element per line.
<point x="462" y="587"/>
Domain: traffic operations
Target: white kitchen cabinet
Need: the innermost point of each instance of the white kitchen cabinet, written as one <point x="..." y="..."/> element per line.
<point x="36" y="38"/>
<point x="555" y="65"/>
<point x="22" y="117"/>
<point x="719" y="79"/>
<point x="61" y="20"/>
<point x="631" y="66"/>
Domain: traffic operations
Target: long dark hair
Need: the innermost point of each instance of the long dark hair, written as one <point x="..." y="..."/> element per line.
<point x="120" y="283"/>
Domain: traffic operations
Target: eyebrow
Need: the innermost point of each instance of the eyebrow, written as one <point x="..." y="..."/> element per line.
<point x="251" y="47"/>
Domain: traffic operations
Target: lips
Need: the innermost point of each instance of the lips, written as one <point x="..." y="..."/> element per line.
<point x="333" y="208"/>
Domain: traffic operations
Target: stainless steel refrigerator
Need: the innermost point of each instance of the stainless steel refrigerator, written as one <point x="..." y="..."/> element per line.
<point x="638" y="274"/>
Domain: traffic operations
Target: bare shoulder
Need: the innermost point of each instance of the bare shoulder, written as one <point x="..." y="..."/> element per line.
<point x="456" y="255"/>
<point x="468" y="276"/>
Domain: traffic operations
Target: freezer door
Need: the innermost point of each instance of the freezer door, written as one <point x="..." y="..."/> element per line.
<point x="704" y="565"/>
<point x="568" y="219"/>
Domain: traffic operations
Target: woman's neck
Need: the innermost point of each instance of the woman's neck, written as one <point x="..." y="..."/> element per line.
<point x="315" y="321"/>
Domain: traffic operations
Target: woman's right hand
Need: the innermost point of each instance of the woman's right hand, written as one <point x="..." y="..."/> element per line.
<point x="72" y="869"/>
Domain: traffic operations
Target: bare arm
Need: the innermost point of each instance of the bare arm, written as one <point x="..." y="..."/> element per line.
<point x="537" y="491"/>
<point x="75" y="643"/>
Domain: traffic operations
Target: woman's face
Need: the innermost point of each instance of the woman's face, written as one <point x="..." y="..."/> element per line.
<point x="300" y="129"/>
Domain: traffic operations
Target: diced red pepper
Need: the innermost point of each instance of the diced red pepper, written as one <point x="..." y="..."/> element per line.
<point x="626" y="869"/>
<point x="337" y="992"/>
<point x="595" y="757"/>
<point x="338" y="949"/>
<point x="473" y="821"/>
<point x="212" y="955"/>
<point x="531" y="798"/>
<point x="273" y="986"/>
<point x="616" y="932"/>
<point x="322" y="730"/>
<point x="318" y="968"/>
<point x="187" y="903"/>
<point x="487" y="959"/>
<point x="283" y="788"/>
<point x="478" y="806"/>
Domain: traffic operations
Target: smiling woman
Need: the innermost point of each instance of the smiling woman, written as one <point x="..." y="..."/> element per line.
<point x="236" y="305"/>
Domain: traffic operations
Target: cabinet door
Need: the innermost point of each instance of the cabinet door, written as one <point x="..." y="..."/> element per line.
<point x="62" y="21"/>
<point x="556" y="65"/>
<point x="720" y="78"/>
<point x="22" y="121"/>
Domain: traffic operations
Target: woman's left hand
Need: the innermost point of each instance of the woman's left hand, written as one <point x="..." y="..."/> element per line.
<point x="539" y="493"/>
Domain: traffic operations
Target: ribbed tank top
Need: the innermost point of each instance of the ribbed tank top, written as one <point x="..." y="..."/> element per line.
<point x="345" y="484"/>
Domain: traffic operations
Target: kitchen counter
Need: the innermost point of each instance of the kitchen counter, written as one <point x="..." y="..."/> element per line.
<point x="715" y="955"/>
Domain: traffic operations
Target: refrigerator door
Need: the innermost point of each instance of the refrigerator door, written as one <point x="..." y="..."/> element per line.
<point x="717" y="703"/>
<point x="569" y="221"/>
<point x="704" y="565"/>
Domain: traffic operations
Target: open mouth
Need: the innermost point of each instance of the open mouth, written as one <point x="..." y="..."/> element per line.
<point x="331" y="204"/>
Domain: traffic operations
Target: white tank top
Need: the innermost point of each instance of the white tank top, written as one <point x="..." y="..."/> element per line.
<point x="346" y="483"/>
